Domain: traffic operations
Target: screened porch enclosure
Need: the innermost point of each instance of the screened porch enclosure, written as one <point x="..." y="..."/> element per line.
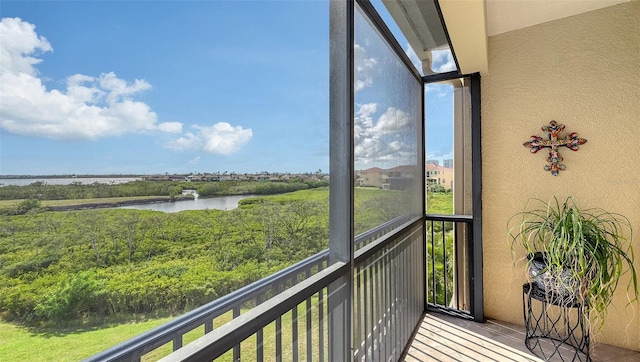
<point x="388" y="262"/>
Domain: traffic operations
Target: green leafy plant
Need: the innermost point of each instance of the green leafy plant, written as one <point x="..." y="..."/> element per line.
<point x="585" y="251"/>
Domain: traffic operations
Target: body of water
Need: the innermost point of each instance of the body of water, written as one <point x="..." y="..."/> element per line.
<point x="67" y="180"/>
<point x="217" y="203"/>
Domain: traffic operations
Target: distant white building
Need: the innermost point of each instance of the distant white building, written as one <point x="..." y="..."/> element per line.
<point x="438" y="175"/>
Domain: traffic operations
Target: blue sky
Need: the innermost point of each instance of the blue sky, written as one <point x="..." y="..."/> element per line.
<point x="164" y="86"/>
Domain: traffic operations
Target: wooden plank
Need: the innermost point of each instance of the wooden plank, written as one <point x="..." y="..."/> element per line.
<point x="438" y="339"/>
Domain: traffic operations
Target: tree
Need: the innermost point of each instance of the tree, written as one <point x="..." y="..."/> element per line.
<point x="129" y="231"/>
<point x="153" y="225"/>
<point x="90" y="226"/>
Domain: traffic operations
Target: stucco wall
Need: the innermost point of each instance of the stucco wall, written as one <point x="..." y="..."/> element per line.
<point x="582" y="71"/>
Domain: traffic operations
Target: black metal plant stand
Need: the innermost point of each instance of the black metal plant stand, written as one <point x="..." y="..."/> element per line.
<point x="555" y="327"/>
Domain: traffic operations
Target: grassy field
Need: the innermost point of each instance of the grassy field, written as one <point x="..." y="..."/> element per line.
<point x="23" y="344"/>
<point x="440" y="203"/>
<point x="42" y="345"/>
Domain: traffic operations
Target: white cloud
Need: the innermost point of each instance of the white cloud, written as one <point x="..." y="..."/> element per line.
<point x="118" y="89"/>
<point x="441" y="90"/>
<point x="392" y="120"/>
<point x="364" y="114"/>
<point x="76" y="89"/>
<point x="224" y="139"/>
<point x="221" y="138"/>
<point x="89" y="107"/>
<point x="385" y="142"/>
<point x="185" y="142"/>
<point x="170" y="127"/>
<point x="442" y="61"/>
<point x="19" y="42"/>
<point x="442" y="155"/>
<point x="195" y="160"/>
<point x="364" y="68"/>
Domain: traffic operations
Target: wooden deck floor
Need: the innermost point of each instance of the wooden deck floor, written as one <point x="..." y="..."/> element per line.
<point x="444" y="338"/>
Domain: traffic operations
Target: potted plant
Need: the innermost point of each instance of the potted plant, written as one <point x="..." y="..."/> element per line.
<point x="576" y="254"/>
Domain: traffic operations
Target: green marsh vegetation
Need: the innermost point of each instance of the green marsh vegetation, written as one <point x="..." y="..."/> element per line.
<point x="72" y="276"/>
<point x="61" y="266"/>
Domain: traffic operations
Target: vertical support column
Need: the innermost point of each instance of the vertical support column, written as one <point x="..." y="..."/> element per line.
<point x="459" y="192"/>
<point x="462" y="185"/>
<point x="461" y="148"/>
<point x="422" y="160"/>
<point x="477" y="297"/>
<point x="341" y="238"/>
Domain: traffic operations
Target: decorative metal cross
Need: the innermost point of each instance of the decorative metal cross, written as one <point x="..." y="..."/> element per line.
<point x="553" y="142"/>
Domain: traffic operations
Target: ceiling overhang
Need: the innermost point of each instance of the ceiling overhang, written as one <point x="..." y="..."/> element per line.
<point x="465" y="22"/>
<point x="470" y="22"/>
<point x="504" y="16"/>
<point x="421" y="25"/>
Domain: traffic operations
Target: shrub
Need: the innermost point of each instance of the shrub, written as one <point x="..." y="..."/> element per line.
<point x="71" y="299"/>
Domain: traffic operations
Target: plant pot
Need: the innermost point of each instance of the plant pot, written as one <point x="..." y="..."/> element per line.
<point x="587" y="251"/>
<point x="558" y="284"/>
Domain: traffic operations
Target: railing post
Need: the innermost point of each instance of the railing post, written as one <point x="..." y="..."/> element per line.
<point x="177" y="342"/>
<point x="308" y="306"/>
<point x="294" y="333"/>
<point x="236" y="348"/>
<point x="321" y="346"/>
<point x="259" y="336"/>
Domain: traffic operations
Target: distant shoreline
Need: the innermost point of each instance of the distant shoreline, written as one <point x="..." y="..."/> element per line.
<point x="85" y="204"/>
<point x="106" y="205"/>
<point x="11" y="177"/>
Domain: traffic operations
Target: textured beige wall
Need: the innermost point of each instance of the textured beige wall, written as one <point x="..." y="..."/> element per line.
<point x="582" y="71"/>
